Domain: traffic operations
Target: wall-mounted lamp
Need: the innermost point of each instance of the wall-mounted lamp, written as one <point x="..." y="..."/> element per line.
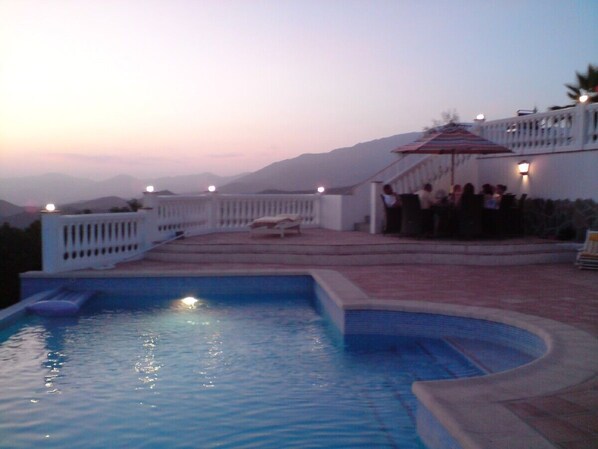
<point x="149" y="189"/>
<point x="321" y="189"/>
<point x="523" y="168"/>
<point x="50" y="207"/>
<point x="212" y="188"/>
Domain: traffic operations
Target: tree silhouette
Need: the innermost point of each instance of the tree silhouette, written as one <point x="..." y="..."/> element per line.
<point x="134" y="204"/>
<point x="446" y="117"/>
<point x="20" y="251"/>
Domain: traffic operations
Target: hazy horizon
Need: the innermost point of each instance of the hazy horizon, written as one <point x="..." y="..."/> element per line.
<point x="154" y="88"/>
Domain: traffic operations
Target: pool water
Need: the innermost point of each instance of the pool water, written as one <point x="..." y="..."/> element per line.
<point x="243" y="371"/>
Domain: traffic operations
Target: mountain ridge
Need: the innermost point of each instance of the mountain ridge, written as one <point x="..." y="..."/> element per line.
<point x="336" y="170"/>
<point x="62" y="188"/>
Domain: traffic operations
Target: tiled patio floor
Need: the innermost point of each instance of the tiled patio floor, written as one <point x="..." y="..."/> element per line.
<point x="560" y="292"/>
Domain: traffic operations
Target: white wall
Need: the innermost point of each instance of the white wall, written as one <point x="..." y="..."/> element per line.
<point x="331" y="212"/>
<point x="342" y="212"/>
<point x="569" y="175"/>
<point x="356" y="207"/>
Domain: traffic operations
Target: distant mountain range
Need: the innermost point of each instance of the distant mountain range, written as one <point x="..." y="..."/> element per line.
<point x="336" y="170"/>
<point x="17" y="216"/>
<point x="60" y="188"/>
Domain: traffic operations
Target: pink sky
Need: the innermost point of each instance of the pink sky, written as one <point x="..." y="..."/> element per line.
<point x="158" y="88"/>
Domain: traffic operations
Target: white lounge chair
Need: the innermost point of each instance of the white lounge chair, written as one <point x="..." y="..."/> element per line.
<point x="277" y="224"/>
<point x="587" y="257"/>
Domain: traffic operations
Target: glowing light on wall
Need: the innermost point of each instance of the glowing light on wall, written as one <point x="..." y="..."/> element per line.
<point x="523" y="167"/>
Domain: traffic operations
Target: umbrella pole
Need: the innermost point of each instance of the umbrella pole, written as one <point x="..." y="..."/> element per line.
<point x="452" y="170"/>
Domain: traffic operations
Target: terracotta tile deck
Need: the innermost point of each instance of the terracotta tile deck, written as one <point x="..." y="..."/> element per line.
<point x="560" y="292"/>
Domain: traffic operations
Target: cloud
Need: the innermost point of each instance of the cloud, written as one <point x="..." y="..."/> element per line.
<point x="224" y="155"/>
<point x="112" y="159"/>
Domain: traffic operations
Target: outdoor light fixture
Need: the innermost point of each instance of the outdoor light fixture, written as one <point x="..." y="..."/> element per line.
<point x="523" y="168"/>
<point x="321" y="189"/>
<point x="50" y="207"/>
<point x="211" y="189"/>
<point x="189" y="301"/>
<point x="584" y="97"/>
<point x="149" y="189"/>
<point x="480" y="117"/>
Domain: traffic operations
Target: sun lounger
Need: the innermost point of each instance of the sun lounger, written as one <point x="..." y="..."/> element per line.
<point x="587" y="258"/>
<point x="277" y="224"/>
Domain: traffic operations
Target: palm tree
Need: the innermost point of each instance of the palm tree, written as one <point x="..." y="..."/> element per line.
<point x="586" y="83"/>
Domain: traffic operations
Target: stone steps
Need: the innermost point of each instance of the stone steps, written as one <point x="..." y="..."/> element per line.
<point x="417" y="252"/>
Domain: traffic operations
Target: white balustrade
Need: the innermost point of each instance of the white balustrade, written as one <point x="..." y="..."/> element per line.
<point x="96" y="240"/>
<point x="570" y="129"/>
<point x="190" y="215"/>
<point x="201" y="214"/>
<point x="81" y="241"/>
<point x="235" y="212"/>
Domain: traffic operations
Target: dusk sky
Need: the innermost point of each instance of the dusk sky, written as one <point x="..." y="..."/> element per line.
<point x="151" y="88"/>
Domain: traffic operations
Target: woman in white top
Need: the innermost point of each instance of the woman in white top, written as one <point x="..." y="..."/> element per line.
<point x="391" y="199"/>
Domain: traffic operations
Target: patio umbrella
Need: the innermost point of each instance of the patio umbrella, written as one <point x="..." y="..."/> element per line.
<point x="451" y="139"/>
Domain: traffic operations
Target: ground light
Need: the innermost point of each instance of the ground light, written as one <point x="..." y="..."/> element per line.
<point x="189" y="301"/>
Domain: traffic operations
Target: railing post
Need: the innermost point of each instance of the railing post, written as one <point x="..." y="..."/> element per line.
<point x="150" y="221"/>
<point x="318" y="209"/>
<point x="375" y="210"/>
<point x="51" y="248"/>
<point x="213" y="212"/>
<point x="150" y="200"/>
<point x="582" y="125"/>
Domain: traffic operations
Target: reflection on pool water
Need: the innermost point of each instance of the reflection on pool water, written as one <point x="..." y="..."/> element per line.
<point x="252" y="370"/>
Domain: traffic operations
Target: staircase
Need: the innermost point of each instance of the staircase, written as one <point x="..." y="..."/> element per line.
<point x="390" y="251"/>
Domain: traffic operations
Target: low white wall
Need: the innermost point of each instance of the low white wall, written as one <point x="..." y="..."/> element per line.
<point x="331" y="212"/>
<point x="569" y="175"/>
<point x="342" y="212"/>
<point x="355" y="208"/>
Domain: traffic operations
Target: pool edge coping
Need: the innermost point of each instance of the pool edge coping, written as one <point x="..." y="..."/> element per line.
<point x="472" y="410"/>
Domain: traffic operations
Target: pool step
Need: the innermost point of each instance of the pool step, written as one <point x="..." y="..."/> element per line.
<point x="61" y="303"/>
<point x="460" y="253"/>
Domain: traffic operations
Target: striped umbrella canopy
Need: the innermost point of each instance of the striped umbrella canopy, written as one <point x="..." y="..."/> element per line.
<point x="451" y="139"/>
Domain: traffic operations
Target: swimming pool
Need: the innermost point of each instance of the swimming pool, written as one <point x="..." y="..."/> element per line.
<point x="137" y="371"/>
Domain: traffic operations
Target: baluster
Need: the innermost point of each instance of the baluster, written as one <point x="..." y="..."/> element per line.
<point x="65" y="241"/>
<point x="246" y="211"/>
<point x="85" y="240"/>
<point x="94" y="239"/>
<point x="73" y="240"/>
